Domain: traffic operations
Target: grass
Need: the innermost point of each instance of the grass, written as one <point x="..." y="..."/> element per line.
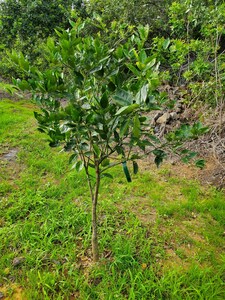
<point x="161" y="237"/>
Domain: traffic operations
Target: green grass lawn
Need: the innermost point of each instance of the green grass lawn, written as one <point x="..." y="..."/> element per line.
<point x="161" y="237"/>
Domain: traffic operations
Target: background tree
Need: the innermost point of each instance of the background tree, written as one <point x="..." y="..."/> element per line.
<point x="153" y="13"/>
<point x="30" y="20"/>
<point x="25" y="25"/>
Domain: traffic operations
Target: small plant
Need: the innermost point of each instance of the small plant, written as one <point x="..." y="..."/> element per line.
<point x="94" y="100"/>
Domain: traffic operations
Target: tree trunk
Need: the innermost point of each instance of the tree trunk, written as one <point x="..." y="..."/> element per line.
<point x="94" y="233"/>
<point x="95" y="251"/>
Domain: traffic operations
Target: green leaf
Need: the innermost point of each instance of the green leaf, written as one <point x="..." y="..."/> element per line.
<point x="23" y="63"/>
<point x="105" y="162"/>
<point x="54" y="144"/>
<point x="23" y="85"/>
<point x="133" y="70"/>
<point x="120" y="151"/>
<point x="136" y="127"/>
<point x="200" y="163"/>
<point x="142" y="94"/>
<point x="104" y="102"/>
<point x="126" y="171"/>
<point x="123" y="98"/>
<point x="127" y="109"/>
<point x="189" y="155"/>
<point x="50" y="43"/>
<point x="116" y="136"/>
<point x="97" y="150"/>
<point x="124" y="128"/>
<point x="198" y="129"/>
<point x="135" y="167"/>
<point x="96" y="69"/>
<point x="106" y="175"/>
<point x="166" y="44"/>
<point x="73" y="158"/>
<point x="159" y="156"/>
<point x="78" y="166"/>
<point x="40" y="118"/>
<point x="143" y="32"/>
<point x="150" y="64"/>
<point x="91" y="165"/>
<point x="142" y="56"/>
<point x="154" y="138"/>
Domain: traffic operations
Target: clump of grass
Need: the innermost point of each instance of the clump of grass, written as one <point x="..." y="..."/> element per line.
<point x="160" y="239"/>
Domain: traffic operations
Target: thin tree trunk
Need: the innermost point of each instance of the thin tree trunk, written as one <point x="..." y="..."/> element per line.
<point x="95" y="251"/>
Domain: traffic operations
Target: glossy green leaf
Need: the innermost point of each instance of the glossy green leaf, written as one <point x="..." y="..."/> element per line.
<point x="135" y="167"/>
<point x="133" y="69"/>
<point x="142" y="94"/>
<point x="116" y="136"/>
<point x="142" y="56"/>
<point x="166" y="44"/>
<point x="136" y="127"/>
<point x="200" y="163"/>
<point x="126" y="171"/>
<point x="159" y="156"/>
<point x="105" y="162"/>
<point x="73" y="158"/>
<point x="143" y="32"/>
<point x="78" y="166"/>
<point x="97" y="150"/>
<point x="91" y="165"/>
<point x="123" y="98"/>
<point x="127" y="109"/>
<point x="124" y="128"/>
<point x="106" y="175"/>
<point x="96" y="69"/>
<point x="104" y="102"/>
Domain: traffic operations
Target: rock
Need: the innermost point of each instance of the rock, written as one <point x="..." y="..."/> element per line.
<point x="163" y="119"/>
<point x="18" y="261"/>
<point x="173" y="115"/>
<point x="159" y="114"/>
<point x="1" y="295"/>
<point x="178" y="110"/>
<point x="178" y="104"/>
<point x="186" y="115"/>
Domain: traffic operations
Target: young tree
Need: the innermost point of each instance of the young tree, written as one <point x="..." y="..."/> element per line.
<point x="94" y="100"/>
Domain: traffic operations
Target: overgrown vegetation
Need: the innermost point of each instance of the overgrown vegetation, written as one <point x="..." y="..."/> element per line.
<point x="161" y="236"/>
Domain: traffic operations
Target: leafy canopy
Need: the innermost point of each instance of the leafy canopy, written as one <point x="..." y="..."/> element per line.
<point x="95" y="96"/>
